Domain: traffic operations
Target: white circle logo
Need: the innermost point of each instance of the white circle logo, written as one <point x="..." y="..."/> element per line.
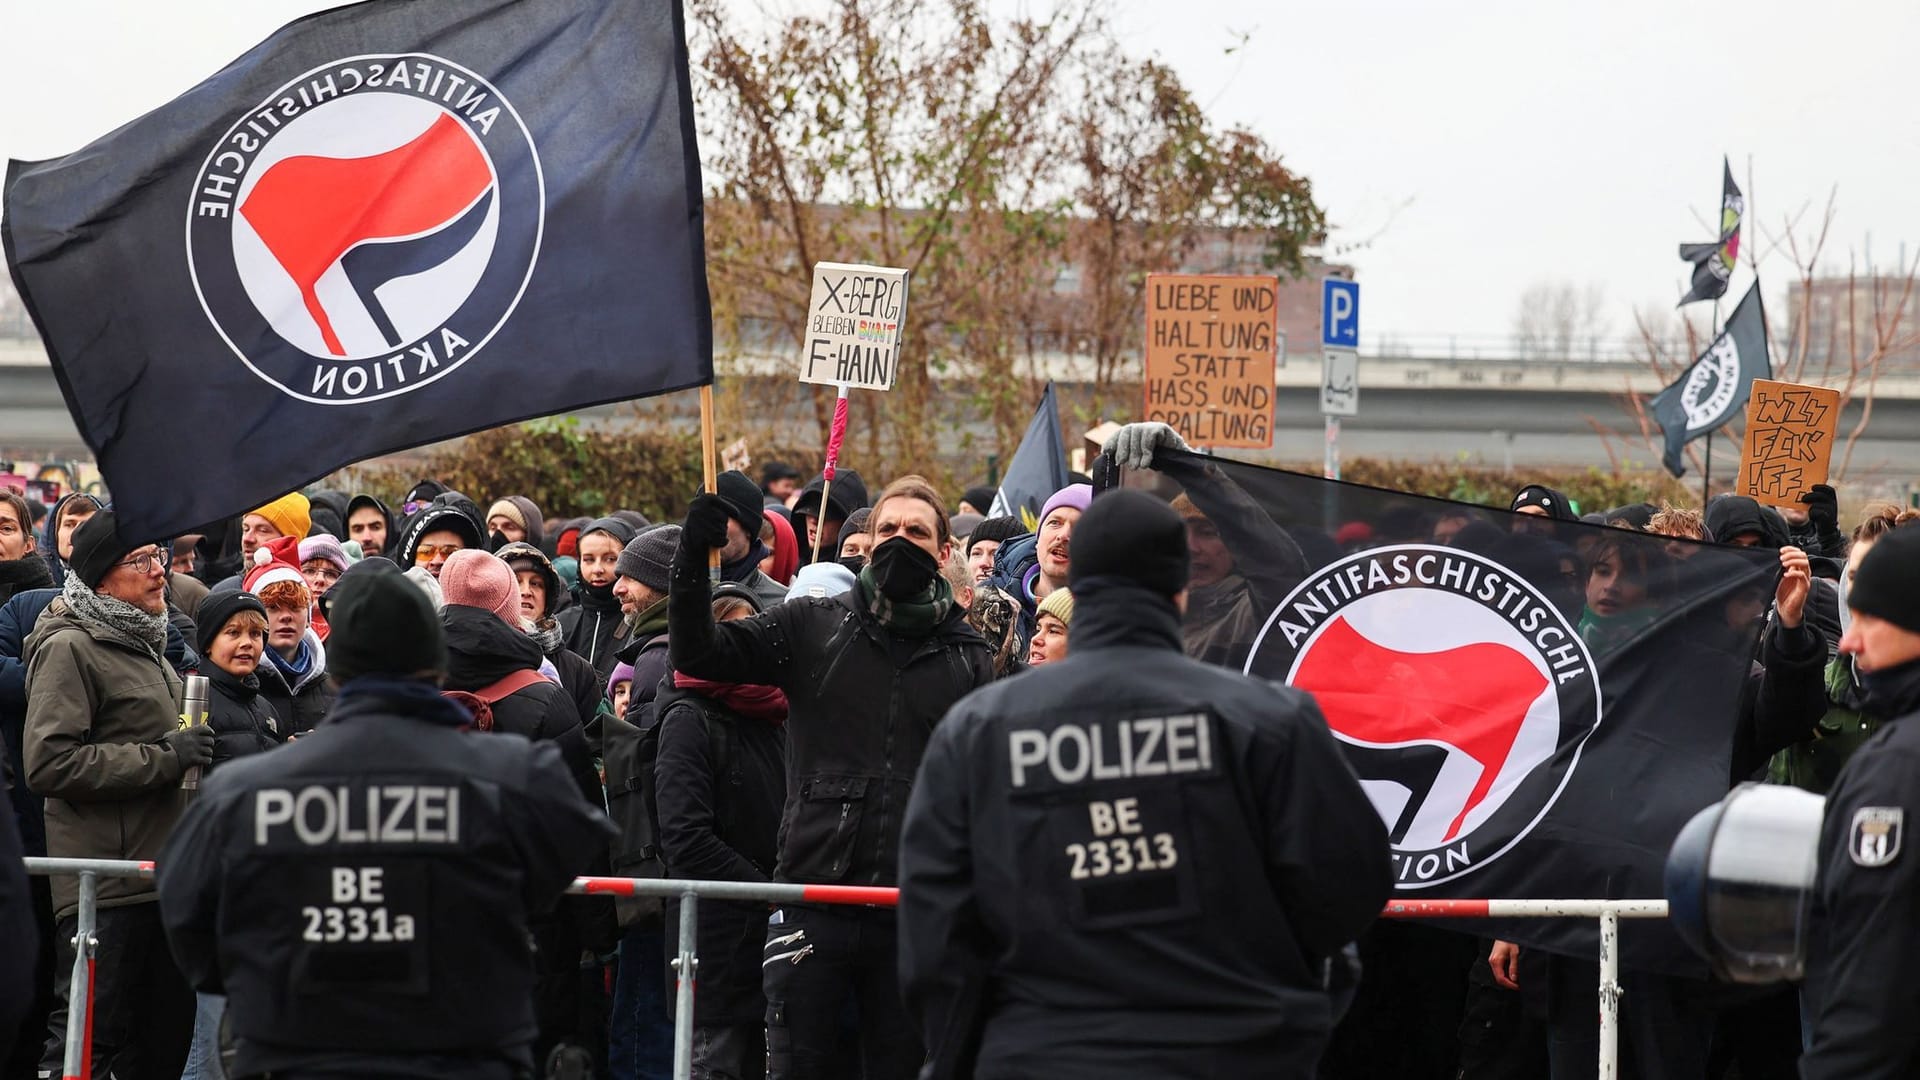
<point x="368" y="228"/>
<point x="1461" y="694"/>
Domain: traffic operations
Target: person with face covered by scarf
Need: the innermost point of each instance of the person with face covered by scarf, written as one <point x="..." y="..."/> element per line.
<point x="867" y="676"/>
<point x="856" y="543"/>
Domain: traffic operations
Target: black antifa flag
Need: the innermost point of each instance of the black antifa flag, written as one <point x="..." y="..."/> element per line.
<point x="1535" y="707"/>
<point x="389" y="223"/>
<point x="1713" y="263"/>
<point x="1715" y="388"/>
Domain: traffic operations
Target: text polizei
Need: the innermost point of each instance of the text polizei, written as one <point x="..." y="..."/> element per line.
<point x="326" y="816"/>
<point x="1113" y="749"/>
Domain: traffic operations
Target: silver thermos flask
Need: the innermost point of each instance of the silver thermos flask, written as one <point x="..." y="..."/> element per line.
<point x="193" y="710"/>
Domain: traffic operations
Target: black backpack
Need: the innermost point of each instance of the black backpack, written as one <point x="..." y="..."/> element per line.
<point x="630" y="748"/>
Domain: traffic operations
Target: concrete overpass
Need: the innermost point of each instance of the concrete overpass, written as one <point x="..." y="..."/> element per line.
<point x="1487" y="412"/>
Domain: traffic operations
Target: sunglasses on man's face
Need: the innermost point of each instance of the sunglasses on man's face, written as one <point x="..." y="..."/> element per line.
<point x="426" y="553"/>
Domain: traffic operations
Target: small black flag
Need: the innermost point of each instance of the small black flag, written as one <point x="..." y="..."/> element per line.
<point x="1715" y="388"/>
<point x="1713" y="263"/>
<point x="1038" y="467"/>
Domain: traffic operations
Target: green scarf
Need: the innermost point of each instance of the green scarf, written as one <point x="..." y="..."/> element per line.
<point x="915" y="617"/>
<point x="650" y="622"/>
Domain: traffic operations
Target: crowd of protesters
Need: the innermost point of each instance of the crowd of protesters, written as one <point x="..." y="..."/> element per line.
<point x="748" y="694"/>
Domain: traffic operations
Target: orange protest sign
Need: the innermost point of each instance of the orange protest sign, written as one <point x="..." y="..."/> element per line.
<point x="1212" y="344"/>
<point x="1789" y="442"/>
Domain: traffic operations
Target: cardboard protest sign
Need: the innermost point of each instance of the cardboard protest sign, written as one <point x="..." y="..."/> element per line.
<point x="1789" y="442"/>
<point x="1211" y="348"/>
<point x="854" y="323"/>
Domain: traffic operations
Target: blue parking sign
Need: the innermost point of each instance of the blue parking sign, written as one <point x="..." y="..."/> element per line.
<point x="1340" y="314"/>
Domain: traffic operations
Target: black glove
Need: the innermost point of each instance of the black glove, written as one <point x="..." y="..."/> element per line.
<point x="705" y="527"/>
<point x="1823" y="506"/>
<point x="192" y="745"/>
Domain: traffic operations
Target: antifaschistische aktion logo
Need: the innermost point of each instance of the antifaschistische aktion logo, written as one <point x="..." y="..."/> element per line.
<point x="367" y="228"/>
<point x="1461" y="695"/>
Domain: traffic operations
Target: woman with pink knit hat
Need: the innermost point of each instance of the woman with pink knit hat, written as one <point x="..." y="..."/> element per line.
<point x="490" y="657"/>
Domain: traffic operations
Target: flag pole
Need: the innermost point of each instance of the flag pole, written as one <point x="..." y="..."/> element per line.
<point x="1706" y="468"/>
<point x="827" y="470"/>
<point x="708" y="470"/>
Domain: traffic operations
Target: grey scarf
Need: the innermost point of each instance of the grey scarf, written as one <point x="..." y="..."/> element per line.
<point x="546" y="634"/>
<point x="90" y="606"/>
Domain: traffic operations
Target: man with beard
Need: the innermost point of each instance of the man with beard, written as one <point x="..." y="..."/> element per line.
<point x="369" y="524"/>
<point x="105" y="747"/>
<point x="867" y="676"/>
<point x="1032" y="566"/>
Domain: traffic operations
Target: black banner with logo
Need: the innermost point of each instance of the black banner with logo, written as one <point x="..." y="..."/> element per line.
<point x="1534" y="705"/>
<point x="389" y="223"/>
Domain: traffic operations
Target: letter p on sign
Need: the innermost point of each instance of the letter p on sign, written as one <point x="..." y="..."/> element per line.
<point x="1339" y="314"/>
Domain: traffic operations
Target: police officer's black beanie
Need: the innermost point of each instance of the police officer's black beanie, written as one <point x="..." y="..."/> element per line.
<point x="1130" y="535"/>
<point x="382" y="625"/>
<point x="1887" y="585"/>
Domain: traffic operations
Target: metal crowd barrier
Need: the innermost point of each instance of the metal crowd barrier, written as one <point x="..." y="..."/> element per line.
<point x="78" y="1061"/>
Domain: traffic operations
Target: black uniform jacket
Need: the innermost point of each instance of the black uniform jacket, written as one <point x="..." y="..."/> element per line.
<point x="862" y="701"/>
<point x="1863" y="962"/>
<point x="362" y="895"/>
<point x="1148" y="856"/>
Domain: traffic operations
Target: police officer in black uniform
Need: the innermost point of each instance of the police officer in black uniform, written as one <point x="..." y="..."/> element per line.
<point x="1862" y="989"/>
<point x="1130" y="863"/>
<point x="362" y="895"/>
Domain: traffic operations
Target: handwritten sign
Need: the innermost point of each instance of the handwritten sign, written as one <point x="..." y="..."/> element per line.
<point x="736" y="455"/>
<point x="1212" y="346"/>
<point x="1789" y="443"/>
<point x="854" y="323"/>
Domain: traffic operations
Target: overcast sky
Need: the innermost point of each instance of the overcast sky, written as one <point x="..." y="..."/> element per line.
<point x="1473" y="148"/>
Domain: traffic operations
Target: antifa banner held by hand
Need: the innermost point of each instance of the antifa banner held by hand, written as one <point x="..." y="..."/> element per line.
<point x="1714" y="389"/>
<point x="389" y="223"/>
<point x="1535" y="706"/>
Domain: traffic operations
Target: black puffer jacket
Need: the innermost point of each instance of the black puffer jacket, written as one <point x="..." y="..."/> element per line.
<point x="242" y="721"/>
<point x="721" y="824"/>
<point x="862" y="703"/>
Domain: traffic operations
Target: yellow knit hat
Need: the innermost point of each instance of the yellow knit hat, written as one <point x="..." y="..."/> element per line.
<point x="290" y="513"/>
<point x="1059" y="604"/>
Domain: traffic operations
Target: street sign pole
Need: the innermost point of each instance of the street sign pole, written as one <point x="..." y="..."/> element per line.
<point x="1339" y="376"/>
